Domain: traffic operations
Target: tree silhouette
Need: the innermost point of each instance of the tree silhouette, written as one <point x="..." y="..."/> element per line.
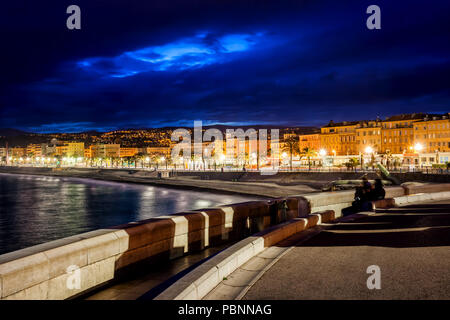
<point x="308" y="153"/>
<point x="292" y="146"/>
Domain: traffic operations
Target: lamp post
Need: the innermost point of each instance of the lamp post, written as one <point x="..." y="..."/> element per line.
<point x="418" y="147"/>
<point x="222" y="160"/>
<point x="437" y="157"/>
<point x="334" y="156"/>
<point x="284" y="155"/>
<point x="254" y="157"/>
<point x="369" y="151"/>
<point x="163" y="159"/>
<point x="323" y="153"/>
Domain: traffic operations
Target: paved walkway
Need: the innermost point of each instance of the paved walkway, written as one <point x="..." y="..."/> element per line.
<point x="411" y="246"/>
<point x="148" y="282"/>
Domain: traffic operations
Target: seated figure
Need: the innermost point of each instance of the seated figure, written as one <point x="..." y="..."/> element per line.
<point x="378" y="192"/>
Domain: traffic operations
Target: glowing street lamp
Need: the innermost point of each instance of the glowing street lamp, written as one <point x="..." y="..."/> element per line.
<point x="323" y="153"/>
<point x="163" y="159"/>
<point x="368" y="150"/>
<point x="418" y="147"/>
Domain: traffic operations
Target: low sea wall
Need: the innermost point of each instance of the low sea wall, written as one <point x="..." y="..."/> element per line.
<point x="65" y="268"/>
<point x="200" y="281"/>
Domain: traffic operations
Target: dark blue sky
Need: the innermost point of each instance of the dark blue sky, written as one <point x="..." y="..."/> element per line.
<point x="151" y="63"/>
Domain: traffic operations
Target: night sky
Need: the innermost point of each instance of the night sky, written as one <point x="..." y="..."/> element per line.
<point x="137" y="64"/>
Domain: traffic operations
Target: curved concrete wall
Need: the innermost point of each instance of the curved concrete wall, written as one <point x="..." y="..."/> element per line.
<point x="42" y="271"/>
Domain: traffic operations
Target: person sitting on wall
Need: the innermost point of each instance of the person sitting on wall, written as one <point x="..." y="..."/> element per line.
<point x="362" y="199"/>
<point x="366" y="184"/>
<point x="378" y="192"/>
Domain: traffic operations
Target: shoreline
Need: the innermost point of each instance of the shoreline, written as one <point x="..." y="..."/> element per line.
<point x="262" y="190"/>
<point x="279" y="185"/>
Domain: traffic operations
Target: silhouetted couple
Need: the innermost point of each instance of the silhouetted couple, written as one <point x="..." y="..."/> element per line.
<point x="366" y="193"/>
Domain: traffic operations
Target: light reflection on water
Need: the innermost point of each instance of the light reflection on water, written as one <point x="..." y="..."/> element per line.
<point x="37" y="209"/>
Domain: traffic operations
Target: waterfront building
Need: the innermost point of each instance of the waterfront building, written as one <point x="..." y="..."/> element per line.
<point x="397" y="132"/>
<point x="105" y="151"/>
<point x="128" y="152"/>
<point x="432" y="134"/>
<point x="87" y="153"/>
<point x="17" y="152"/>
<point x="36" y="150"/>
<point x="50" y="150"/>
<point x="310" y="141"/>
<point x="154" y="151"/>
<point x="368" y="136"/>
<point x="339" y="138"/>
<point x="395" y="135"/>
<point x="70" y="149"/>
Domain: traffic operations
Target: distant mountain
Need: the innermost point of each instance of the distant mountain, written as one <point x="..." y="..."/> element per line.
<point x="9" y="132"/>
<point x="223" y="127"/>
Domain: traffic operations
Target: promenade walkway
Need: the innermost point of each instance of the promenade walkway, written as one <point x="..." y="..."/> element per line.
<point x="410" y="245"/>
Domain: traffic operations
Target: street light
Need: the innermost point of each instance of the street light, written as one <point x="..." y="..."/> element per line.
<point x="163" y="159"/>
<point x="418" y="147"/>
<point x="323" y="153"/>
<point x="368" y="150"/>
<point x="334" y="156"/>
<point x="222" y="158"/>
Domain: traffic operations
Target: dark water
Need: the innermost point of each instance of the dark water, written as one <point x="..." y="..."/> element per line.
<point x="37" y="209"/>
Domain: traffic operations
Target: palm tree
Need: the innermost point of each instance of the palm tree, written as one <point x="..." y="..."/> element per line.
<point x="372" y="161"/>
<point x="308" y="153"/>
<point x="352" y="163"/>
<point x="292" y="146"/>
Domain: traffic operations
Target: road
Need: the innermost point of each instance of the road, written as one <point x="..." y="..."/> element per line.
<point x="410" y="245"/>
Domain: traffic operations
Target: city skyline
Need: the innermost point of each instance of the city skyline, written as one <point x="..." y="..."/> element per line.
<point x="168" y="64"/>
<point x="401" y="134"/>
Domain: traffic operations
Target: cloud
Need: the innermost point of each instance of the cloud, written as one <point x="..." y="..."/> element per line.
<point x="198" y="51"/>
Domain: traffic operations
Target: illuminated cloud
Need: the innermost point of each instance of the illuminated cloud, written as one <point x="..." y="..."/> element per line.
<point x="194" y="52"/>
